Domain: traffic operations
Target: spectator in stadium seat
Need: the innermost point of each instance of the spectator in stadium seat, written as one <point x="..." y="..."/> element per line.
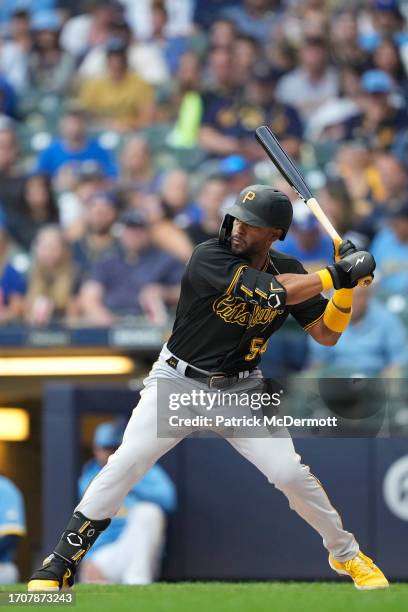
<point x="210" y="200"/>
<point x="222" y="131"/>
<point x="314" y="77"/>
<point x="12" y="180"/>
<point x="340" y="207"/>
<point x="390" y="249"/>
<point x="305" y="241"/>
<point x="82" y="33"/>
<point x="262" y="108"/>
<point x="38" y="208"/>
<point x="100" y="214"/>
<point x="53" y="279"/>
<point x="86" y="180"/>
<point x="138" y="280"/>
<point x="238" y="172"/>
<point x="257" y="18"/>
<point x="366" y="346"/>
<point x="137" y="170"/>
<point x="130" y="550"/>
<point x="344" y="44"/>
<point x="7" y="7"/>
<point x="144" y="58"/>
<point x="176" y="199"/>
<point x="12" y="528"/>
<point x="179" y="22"/>
<point x="62" y="159"/>
<point x="229" y="119"/>
<point x="222" y="33"/>
<point x="15" y="49"/>
<point x="379" y="122"/>
<point x="12" y="283"/>
<point x="171" y="47"/>
<point x="120" y="99"/>
<point x="387" y="57"/>
<point x="247" y="52"/>
<point x="180" y="103"/>
<point x="50" y="68"/>
<point x="387" y="21"/>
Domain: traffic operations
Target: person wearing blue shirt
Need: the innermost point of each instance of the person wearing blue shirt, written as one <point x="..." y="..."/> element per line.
<point x="388" y="22"/>
<point x="139" y="279"/>
<point x="305" y="241"/>
<point x="68" y="153"/>
<point x="12" y="283"/>
<point x="374" y="344"/>
<point x="129" y="551"/>
<point x="9" y="7"/>
<point x="12" y="528"/>
<point x="390" y="250"/>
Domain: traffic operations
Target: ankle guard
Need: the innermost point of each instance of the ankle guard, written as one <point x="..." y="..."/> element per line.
<point x="78" y="537"/>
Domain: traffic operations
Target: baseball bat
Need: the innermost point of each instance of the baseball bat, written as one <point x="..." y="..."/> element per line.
<point x="293" y="176"/>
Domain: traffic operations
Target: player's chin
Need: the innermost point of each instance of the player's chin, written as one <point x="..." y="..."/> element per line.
<point x="238" y="247"/>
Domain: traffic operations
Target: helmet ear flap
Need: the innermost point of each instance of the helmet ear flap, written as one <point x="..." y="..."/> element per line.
<point x="226" y="228"/>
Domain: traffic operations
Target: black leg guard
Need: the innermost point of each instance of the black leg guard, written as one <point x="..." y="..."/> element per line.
<point x="59" y="568"/>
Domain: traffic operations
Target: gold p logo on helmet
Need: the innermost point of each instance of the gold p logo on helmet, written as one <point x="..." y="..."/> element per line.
<point x="250" y="195"/>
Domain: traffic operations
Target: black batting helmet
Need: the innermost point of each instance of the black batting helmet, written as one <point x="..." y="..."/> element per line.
<point x="261" y="206"/>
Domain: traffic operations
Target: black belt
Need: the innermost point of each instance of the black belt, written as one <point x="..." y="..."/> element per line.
<point x="218" y="380"/>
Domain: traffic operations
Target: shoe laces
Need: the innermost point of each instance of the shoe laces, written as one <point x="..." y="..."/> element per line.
<point x="359" y="565"/>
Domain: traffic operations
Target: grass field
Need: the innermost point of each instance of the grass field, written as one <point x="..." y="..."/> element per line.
<point x="233" y="597"/>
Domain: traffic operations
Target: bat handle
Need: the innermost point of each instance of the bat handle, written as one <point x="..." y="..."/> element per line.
<point x="314" y="206"/>
<point x="365" y="281"/>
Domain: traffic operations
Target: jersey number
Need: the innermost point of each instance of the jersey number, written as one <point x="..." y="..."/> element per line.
<point x="258" y="346"/>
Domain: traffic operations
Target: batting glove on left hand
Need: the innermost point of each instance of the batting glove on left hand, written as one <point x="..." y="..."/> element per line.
<point x="346" y="247"/>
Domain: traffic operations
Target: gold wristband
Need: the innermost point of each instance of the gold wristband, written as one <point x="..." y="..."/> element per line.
<point x="343" y="298"/>
<point x="325" y="277"/>
<point x="335" y="319"/>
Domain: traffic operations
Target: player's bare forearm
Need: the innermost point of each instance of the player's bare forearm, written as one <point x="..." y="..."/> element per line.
<point x="300" y="287"/>
<point x="322" y="334"/>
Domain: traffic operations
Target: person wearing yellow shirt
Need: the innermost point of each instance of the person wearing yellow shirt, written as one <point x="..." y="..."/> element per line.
<point x="120" y="100"/>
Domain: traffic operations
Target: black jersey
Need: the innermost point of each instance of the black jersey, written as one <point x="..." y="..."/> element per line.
<point x="214" y="330"/>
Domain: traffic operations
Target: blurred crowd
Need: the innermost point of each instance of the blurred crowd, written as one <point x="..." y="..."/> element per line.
<point x="127" y="129"/>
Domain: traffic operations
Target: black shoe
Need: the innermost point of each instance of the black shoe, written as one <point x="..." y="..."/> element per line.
<point x="54" y="575"/>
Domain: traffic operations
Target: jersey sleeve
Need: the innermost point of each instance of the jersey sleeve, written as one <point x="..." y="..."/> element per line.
<point x="310" y="311"/>
<point x="214" y="269"/>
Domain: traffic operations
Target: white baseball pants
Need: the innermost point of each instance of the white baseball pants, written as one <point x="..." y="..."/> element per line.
<point x="274" y="456"/>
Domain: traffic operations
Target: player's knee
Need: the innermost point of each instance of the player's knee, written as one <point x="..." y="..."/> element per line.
<point x="289" y="475"/>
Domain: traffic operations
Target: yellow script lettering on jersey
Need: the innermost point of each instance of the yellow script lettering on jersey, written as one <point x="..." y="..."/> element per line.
<point x="232" y="310"/>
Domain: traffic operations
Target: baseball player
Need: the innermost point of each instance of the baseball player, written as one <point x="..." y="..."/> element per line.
<point x="235" y="292"/>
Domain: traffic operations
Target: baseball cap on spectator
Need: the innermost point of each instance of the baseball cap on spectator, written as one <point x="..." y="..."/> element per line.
<point x="133" y="218"/>
<point x="391" y="6"/>
<point x="376" y="82"/>
<point x="20" y="8"/>
<point x="116" y="45"/>
<point x="108" y="435"/>
<point x="233" y="164"/>
<point x="46" y="20"/>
